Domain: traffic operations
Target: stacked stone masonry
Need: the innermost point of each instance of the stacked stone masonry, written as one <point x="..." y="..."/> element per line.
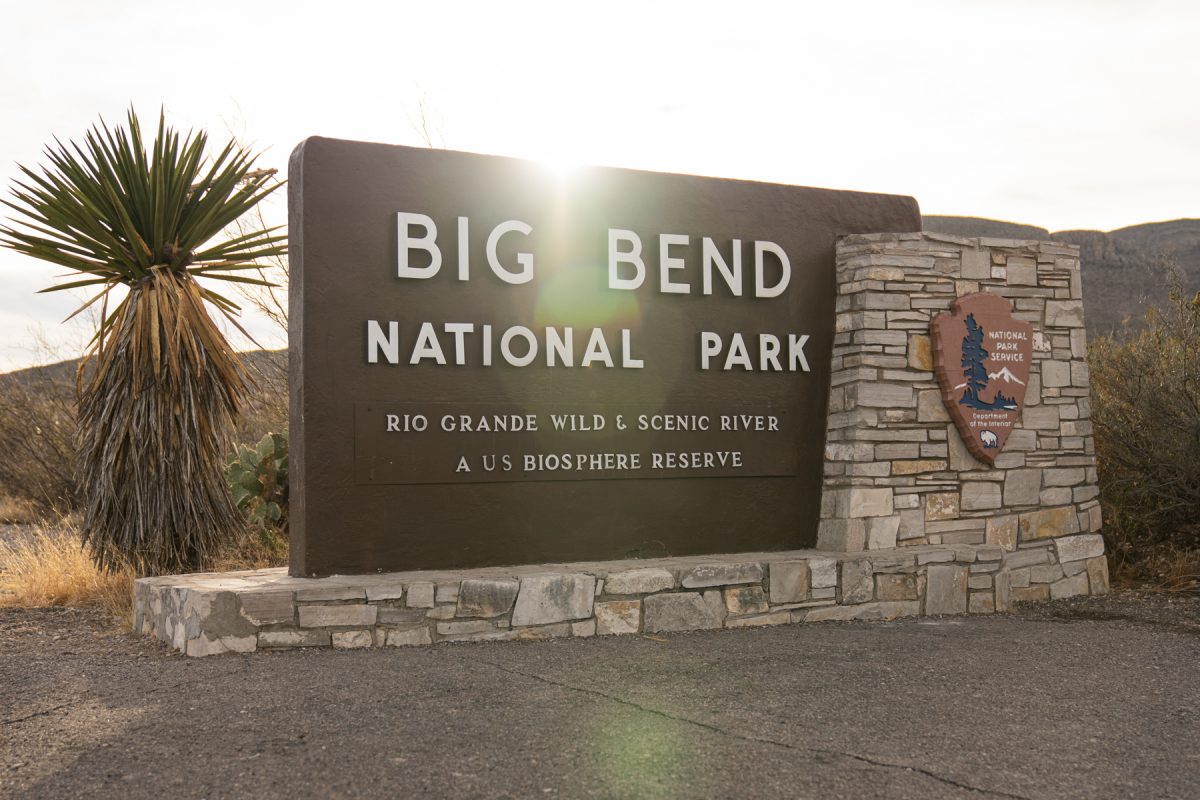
<point x="896" y="471"/>
<point x="266" y="609"/>
<point x="911" y="523"/>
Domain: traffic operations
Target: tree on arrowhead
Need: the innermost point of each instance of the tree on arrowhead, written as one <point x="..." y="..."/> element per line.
<point x="973" y="356"/>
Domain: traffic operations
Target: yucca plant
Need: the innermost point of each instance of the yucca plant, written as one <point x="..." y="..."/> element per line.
<point x="160" y="387"/>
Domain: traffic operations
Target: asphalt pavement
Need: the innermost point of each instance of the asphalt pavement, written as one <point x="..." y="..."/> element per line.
<point x="1092" y="698"/>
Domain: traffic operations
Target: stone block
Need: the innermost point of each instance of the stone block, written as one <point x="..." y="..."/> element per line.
<point x="1071" y="586"/>
<point x="267" y="608"/>
<point x="980" y="581"/>
<point x="1075" y="548"/>
<point x="788" y="581"/>
<point x="941" y="505"/>
<point x="403" y="617"/>
<point x="684" y="611"/>
<point x="1048" y="522"/>
<point x="1064" y="477"/>
<point x="896" y="587"/>
<point x="930" y="407"/>
<point x="420" y="595"/>
<point x="1003" y="592"/>
<point x="325" y="593"/>
<point x="486" y="598"/>
<point x="386" y="591"/>
<point x="743" y="600"/>
<point x="1029" y="557"/>
<point x="352" y="640"/>
<point x="858" y="585"/>
<point x="358" y="616"/>
<point x="1022" y="487"/>
<point x="920" y="352"/>
<point x="1002" y="531"/>
<point x="876" y="611"/>
<point x="1021" y="271"/>
<point x="912" y="523"/>
<point x="1064" y="314"/>
<point x="760" y="620"/>
<point x="1055" y="497"/>
<point x="205" y="646"/>
<point x="441" y="612"/>
<point x="885" y="396"/>
<point x="894" y="450"/>
<point x="980" y="496"/>
<point x="1079" y="373"/>
<point x="716" y="603"/>
<point x="961" y="459"/>
<point x="447" y="592"/>
<point x="584" y="629"/>
<point x="1039" y="418"/>
<point x="722" y="575"/>
<point x="862" y="502"/>
<point x="639" y="581"/>
<point x="935" y="556"/>
<point x="1034" y="593"/>
<point x="409" y="638"/>
<point x="310" y="638"/>
<point x="544" y="599"/>
<point x="849" y="451"/>
<point x="823" y="573"/>
<point x="917" y="467"/>
<point x="976" y="264"/>
<point x="946" y="589"/>
<point x="882" y="532"/>
<point x="464" y="626"/>
<point x="841" y="535"/>
<point x="981" y="603"/>
<point x="618" y="616"/>
<point x="1045" y="573"/>
<point x="1097" y="572"/>
<point x="1056" y="374"/>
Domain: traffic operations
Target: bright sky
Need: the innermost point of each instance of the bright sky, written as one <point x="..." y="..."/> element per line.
<point x="1056" y="113"/>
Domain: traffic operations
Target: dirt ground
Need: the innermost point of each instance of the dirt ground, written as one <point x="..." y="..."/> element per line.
<point x="1094" y="697"/>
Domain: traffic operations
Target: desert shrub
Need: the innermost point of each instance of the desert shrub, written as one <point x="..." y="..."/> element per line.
<point x="37" y="437"/>
<point x="1146" y="416"/>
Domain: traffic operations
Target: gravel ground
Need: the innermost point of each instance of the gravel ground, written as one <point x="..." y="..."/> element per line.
<point x="1089" y="698"/>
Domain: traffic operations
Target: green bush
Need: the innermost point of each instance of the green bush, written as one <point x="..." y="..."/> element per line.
<point x="257" y="478"/>
<point x="1146" y="416"/>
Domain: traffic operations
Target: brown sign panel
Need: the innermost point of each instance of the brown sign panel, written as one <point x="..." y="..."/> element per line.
<point x="493" y="363"/>
<point x="982" y="357"/>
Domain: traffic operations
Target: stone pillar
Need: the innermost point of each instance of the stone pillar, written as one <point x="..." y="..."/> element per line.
<point x="896" y="471"/>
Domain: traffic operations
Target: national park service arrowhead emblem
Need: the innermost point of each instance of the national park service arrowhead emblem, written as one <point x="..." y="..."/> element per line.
<point x="982" y="356"/>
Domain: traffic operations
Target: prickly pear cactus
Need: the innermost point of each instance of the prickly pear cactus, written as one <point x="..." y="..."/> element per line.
<point x="257" y="479"/>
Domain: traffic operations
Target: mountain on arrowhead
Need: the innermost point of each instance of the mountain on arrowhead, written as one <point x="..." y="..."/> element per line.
<point x="1005" y="376"/>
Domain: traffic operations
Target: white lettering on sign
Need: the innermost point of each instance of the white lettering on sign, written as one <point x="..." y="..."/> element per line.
<point x="737" y="355"/>
<point x="419" y="256"/>
<point x="625" y="247"/>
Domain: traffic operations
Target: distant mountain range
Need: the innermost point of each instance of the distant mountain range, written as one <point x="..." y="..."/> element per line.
<point x="1124" y="271"/>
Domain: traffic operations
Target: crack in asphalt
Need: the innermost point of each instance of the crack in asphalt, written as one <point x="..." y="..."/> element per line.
<point x="750" y="738"/>
<point x="81" y="700"/>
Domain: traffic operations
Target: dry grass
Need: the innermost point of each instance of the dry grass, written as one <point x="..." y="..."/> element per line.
<point x="252" y="550"/>
<point x="1166" y="570"/>
<point x="16" y="511"/>
<point x="48" y="566"/>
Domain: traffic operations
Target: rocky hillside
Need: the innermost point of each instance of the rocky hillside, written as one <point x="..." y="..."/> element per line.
<point x="1124" y="271"/>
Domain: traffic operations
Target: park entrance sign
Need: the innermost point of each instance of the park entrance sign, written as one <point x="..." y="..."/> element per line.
<point x="493" y="363"/>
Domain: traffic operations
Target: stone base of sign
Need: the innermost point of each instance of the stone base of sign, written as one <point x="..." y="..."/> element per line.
<point x="239" y="612"/>
<point x="897" y="473"/>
